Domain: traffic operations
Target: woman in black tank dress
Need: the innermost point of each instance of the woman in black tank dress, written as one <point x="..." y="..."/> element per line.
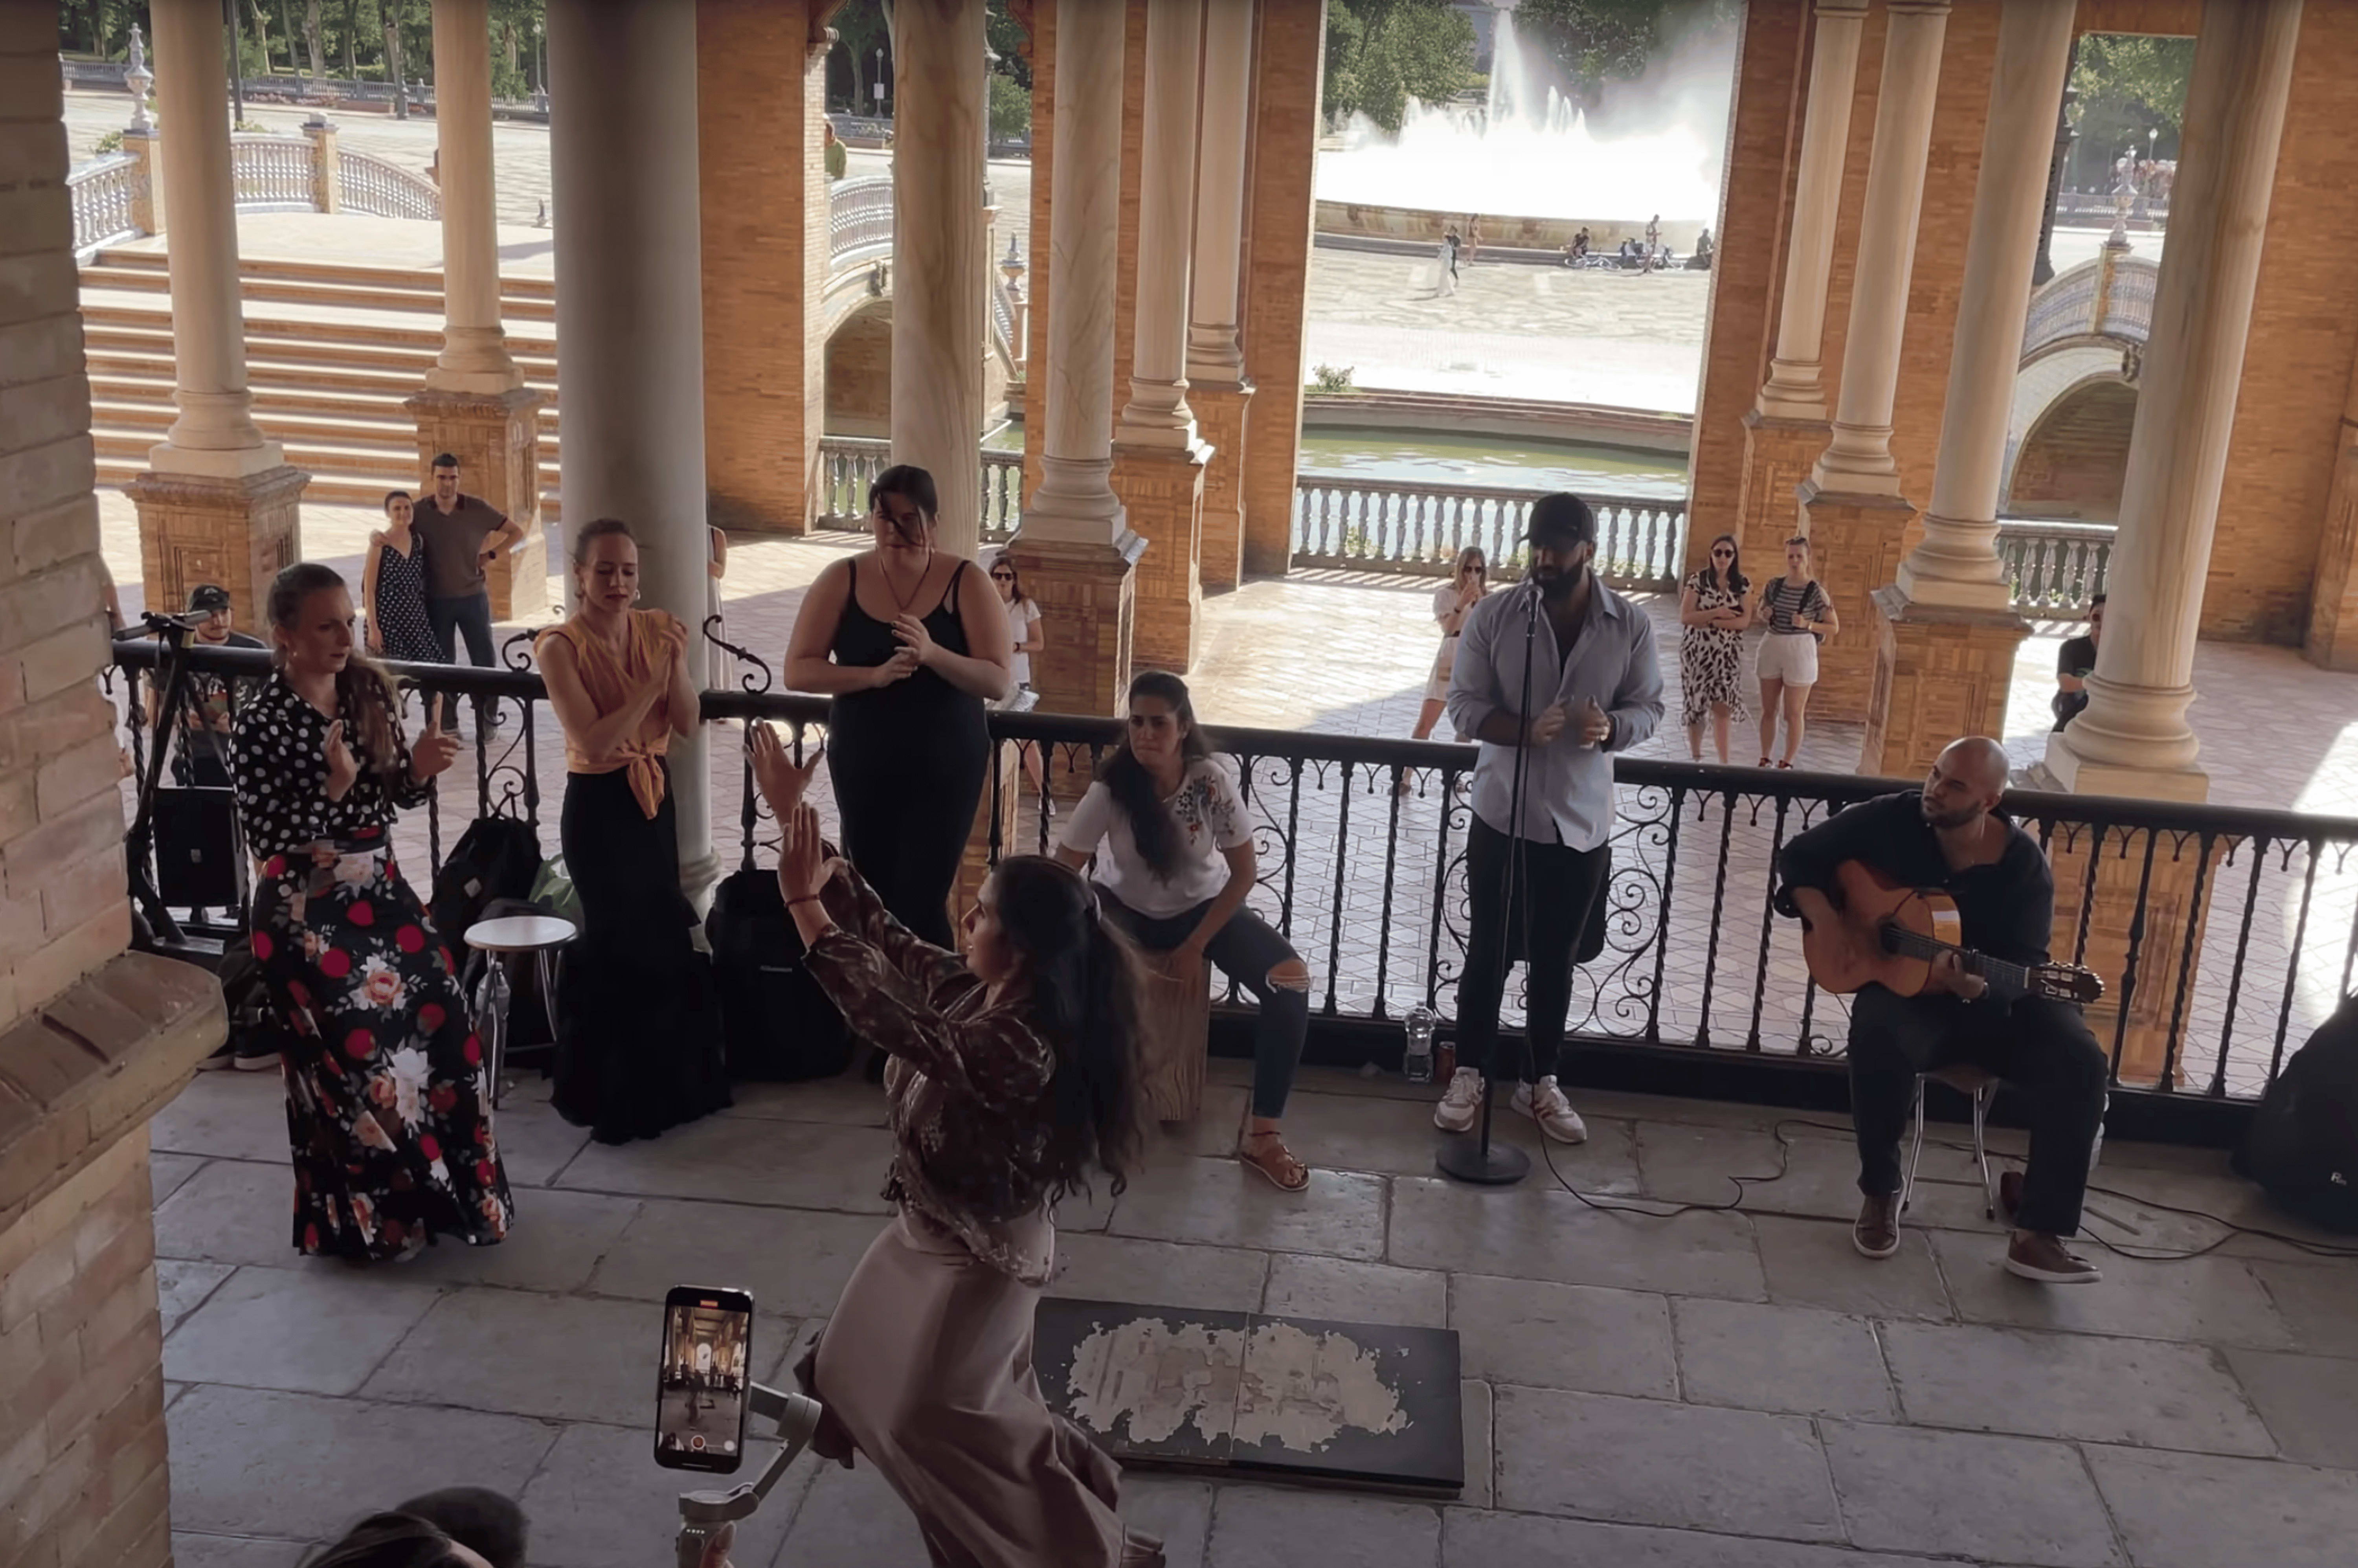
<point x="910" y="643"/>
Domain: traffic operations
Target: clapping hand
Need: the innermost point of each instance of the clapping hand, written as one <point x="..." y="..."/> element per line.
<point x="914" y="638"/>
<point x="804" y="864"/>
<point x="342" y="766"/>
<point x="673" y="636"/>
<point x="434" y="751"/>
<point x="1548" y="725"/>
<point x="898" y="668"/>
<point x="1596" y="724"/>
<point x="782" y="782"/>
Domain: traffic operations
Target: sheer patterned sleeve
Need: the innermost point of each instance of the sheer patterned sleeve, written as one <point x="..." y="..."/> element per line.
<point x="854" y="907"/>
<point x="993" y="1059"/>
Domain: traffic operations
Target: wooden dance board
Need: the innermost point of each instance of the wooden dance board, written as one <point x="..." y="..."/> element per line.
<point x="1305" y="1399"/>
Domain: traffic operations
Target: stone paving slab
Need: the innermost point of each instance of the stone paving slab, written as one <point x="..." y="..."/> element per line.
<point x="1766" y="1358"/>
<point x="2071" y="1384"/>
<point x="1159" y="1273"/>
<point x="1646" y="1462"/>
<point x="2315" y="1302"/>
<point x="317" y="1331"/>
<point x="1339" y="1289"/>
<point x="191" y="1549"/>
<point x="793" y="1260"/>
<point x="1267" y="1527"/>
<point x="2006" y="1500"/>
<point x="1340" y="1214"/>
<point x="1473" y="1539"/>
<point x="181" y="1287"/>
<point x="2215" y="1300"/>
<point x="166" y="1171"/>
<point x="2185" y="1510"/>
<point x="1564" y="1336"/>
<point x="797" y="1166"/>
<point x="1529" y="1233"/>
<point x="1811" y="1262"/>
<point x="600" y="1501"/>
<point x="2307" y="1402"/>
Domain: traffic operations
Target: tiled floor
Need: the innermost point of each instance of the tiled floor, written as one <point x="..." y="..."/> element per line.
<point x="1713" y="1391"/>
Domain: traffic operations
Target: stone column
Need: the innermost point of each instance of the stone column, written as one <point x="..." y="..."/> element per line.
<point x="2133" y="738"/>
<point x="475" y="405"/>
<point x="1851" y="505"/>
<point x="940" y="258"/>
<point x="1218" y="387"/>
<point x="1786" y="428"/>
<point x="1159" y="461"/>
<point x="219" y="502"/>
<point x="1945" y="631"/>
<point x="630" y="315"/>
<point x="1075" y="549"/>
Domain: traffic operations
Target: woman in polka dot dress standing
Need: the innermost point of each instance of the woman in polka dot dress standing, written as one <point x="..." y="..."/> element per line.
<point x="385" y="1077"/>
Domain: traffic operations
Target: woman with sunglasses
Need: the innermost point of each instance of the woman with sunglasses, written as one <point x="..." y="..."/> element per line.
<point x="1451" y="602"/>
<point x="910" y="643"/>
<point x="1023" y="632"/>
<point x="1711" y="648"/>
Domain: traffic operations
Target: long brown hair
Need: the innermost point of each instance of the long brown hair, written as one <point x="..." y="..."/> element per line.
<point x="363" y="684"/>
<point x="1084" y="999"/>
<point x="1151" y="828"/>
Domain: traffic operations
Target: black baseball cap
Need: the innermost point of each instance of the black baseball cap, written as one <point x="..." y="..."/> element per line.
<point x="1561" y="519"/>
<point x="207" y="597"/>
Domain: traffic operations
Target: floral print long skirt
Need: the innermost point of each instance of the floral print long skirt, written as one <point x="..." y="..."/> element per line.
<point x="385" y="1107"/>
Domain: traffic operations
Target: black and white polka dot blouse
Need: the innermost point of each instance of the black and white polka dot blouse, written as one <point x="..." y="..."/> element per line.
<point x="280" y="764"/>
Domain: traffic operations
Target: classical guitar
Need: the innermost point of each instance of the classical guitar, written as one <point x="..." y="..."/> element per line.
<point x="1897" y="931"/>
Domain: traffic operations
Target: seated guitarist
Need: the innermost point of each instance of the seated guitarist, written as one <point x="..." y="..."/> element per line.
<point x="1951" y="836"/>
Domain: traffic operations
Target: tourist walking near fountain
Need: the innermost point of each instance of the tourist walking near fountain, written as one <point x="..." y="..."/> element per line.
<point x="910" y="643"/>
<point x="1175" y="865"/>
<point x="638" y="1037"/>
<point x="1711" y="648"/>
<point x="389" y="1139"/>
<point x="1451" y="602"/>
<point x="1799" y="616"/>
<point x="1012" y="1076"/>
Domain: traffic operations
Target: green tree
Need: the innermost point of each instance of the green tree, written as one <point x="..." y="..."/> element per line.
<point x="1007" y="40"/>
<point x="1590" y="42"/>
<point x="1011" y="109"/>
<point x="1381" y="53"/>
<point x="2129" y="86"/>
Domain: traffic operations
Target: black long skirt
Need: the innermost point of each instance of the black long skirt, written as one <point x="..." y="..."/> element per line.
<point x="638" y="1037"/>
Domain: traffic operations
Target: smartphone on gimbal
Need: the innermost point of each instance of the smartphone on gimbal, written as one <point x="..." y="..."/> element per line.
<point x="703" y="1377"/>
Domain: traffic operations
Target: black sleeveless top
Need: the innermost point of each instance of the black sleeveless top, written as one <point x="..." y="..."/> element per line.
<point x="923" y="698"/>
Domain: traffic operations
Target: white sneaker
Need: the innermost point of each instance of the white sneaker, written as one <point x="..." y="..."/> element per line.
<point x="1545" y="1103"/>
<point x="1461" y="1103"/>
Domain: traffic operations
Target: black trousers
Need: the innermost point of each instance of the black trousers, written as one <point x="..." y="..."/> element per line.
<point x="1560" y="887"/>
<point x="2041" y="1048"/>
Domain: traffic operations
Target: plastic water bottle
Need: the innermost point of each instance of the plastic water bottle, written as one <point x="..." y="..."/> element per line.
<point x="1417" y="1060"/>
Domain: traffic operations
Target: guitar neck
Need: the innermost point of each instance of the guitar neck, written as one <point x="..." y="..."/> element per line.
<point x="2009" y="979"/>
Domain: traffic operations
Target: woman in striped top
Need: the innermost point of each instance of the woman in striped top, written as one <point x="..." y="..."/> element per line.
<point x="1799" y="616"/>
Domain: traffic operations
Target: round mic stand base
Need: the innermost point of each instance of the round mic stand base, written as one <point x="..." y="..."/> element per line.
<point x="1485" y="1165"/>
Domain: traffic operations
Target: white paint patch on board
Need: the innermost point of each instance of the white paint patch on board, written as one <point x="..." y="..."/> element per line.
<point x="1162" y="1378"/>
<point x="1304" y="1389"/>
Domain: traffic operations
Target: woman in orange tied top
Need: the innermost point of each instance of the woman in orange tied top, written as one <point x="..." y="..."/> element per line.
<point x="638" y="1041"/>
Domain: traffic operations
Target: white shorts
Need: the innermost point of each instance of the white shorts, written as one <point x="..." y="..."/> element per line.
<point x="1788" y="656"/>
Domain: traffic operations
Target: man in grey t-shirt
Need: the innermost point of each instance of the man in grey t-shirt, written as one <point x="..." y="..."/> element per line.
<point x="460" y="532"/>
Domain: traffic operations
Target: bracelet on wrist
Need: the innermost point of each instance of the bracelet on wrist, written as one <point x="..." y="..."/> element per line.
<point x="806" y="898"/>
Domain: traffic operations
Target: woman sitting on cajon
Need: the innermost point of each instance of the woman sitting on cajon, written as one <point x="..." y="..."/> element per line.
<point x="1176" y="868"/>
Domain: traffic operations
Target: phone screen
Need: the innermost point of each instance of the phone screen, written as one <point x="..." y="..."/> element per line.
<point x="708" y="1342"/>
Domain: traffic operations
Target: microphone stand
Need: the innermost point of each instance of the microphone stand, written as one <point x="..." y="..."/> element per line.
<point x="1482" y="1162"/>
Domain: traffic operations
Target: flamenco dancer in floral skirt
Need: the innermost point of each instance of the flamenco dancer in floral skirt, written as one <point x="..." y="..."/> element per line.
<point x="384" y="1078"/>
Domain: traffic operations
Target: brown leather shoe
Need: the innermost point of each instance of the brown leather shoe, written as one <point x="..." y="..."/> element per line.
<point x="1876" y="1232"/>
<point x="2034" y="1255"/>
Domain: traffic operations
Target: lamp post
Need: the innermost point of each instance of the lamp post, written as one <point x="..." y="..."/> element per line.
<point x="880" y="82"/>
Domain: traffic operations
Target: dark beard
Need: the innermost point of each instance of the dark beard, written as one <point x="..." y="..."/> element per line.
<point x="1561" y="586"/>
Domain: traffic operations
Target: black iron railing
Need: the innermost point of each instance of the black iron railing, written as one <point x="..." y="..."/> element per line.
<point x="2223" y="936"/>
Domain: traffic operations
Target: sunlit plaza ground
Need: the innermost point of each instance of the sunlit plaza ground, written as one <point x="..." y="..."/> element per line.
<point x="1706" y="1392"/>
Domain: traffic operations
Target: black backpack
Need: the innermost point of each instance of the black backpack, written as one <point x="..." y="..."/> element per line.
<point x="779" y="1025"/>
<point x="496" y="857"/>
<point x="2302" y="1146"/>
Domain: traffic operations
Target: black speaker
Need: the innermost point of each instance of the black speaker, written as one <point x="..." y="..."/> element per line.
<point x="196" y="849"/>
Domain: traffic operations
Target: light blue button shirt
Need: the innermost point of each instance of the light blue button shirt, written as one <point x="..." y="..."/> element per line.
<point x="1568" y="789"/>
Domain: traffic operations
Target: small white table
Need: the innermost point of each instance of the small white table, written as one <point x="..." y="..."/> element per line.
<point x="538" y="935"/>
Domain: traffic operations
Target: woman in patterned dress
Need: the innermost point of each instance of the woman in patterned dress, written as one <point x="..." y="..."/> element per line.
<point x="1013" y="1074"/>
<point x="393" y="589"/>
<point x="1710" y="649"/>
<point x="384" y="1082"/>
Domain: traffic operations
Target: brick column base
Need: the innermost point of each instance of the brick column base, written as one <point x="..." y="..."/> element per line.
<point x="1855" y="543"/>
<point x="1220" y="413"/>
<point x="239" y="533"/>
<point x="1161" y="489"/>
<point x="1088" y="605"/>
<point x="495" y="435"/>
<point x="2177" y="888"/>
<point x="1939" y="673"/>
<point x="1777" y="458"/>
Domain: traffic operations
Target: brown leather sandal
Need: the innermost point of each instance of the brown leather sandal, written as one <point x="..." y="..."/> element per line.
<point x="1275" y="1162"/>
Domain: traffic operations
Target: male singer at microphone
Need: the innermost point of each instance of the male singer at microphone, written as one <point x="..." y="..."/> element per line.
<point x="1595" y="689"/>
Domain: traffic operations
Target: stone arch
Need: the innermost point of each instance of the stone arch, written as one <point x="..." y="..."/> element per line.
<point x="2075" y="458"/>
<point x="859" y="371"/>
